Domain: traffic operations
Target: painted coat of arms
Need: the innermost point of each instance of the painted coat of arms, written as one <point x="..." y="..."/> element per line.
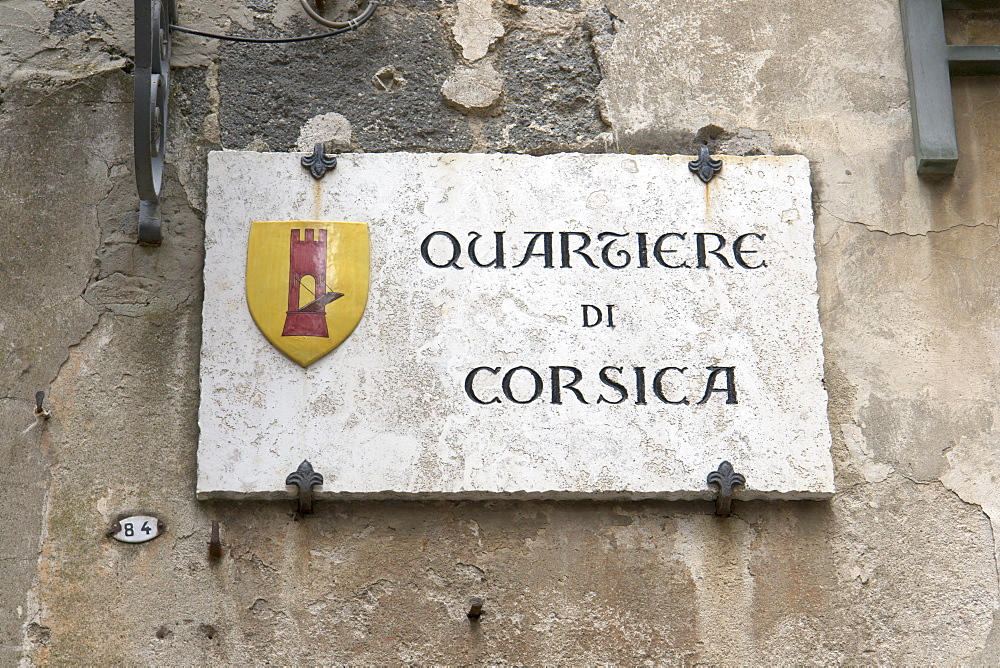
<point x="307" y="284"/>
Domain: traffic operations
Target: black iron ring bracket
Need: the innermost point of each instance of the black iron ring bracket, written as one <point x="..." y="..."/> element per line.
<point x="154" y="21"/>
<point x="151" y="97"/>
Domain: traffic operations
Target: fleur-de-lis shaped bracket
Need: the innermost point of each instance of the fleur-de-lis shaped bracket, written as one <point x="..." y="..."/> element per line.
<point x="705" y="167"/>
<point x="319" y="161"/>
<point x="726" y="478"/>
<point x="304" y="478"/>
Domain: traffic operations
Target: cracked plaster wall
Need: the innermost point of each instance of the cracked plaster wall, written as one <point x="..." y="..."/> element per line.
<point x="899" y="568"/>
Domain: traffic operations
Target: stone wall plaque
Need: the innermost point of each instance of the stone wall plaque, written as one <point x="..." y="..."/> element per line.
<point x="568" y="325"/>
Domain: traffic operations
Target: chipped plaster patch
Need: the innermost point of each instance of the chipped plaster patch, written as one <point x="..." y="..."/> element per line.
<point x="333" y="129"/>
<point x="473" y="88"/>
<point x="476" y="29"/>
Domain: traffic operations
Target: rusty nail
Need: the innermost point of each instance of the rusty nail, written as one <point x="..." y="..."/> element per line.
<point x="39" y="410"/>
<point x="476" y="607"/>
<point x="214" y="543"/>
<point x="113" y="529"/>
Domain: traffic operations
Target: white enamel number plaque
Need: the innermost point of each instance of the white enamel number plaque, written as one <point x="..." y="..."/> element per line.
<point x="564" y="326"/>
<point x="137" y="529"/>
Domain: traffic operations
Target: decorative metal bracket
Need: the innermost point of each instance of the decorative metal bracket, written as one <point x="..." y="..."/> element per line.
<point x="154" y="20"/>
<point x="304" y="478"/>
<point x="319" y="161"/>
<point x="705" y="167"/>
<point x="930" y="64"/>
<point x="151" y="96"/>
<point x="726" y="478"/>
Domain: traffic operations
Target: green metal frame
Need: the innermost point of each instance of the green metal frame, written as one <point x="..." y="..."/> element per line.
<point x="930" y="64"/>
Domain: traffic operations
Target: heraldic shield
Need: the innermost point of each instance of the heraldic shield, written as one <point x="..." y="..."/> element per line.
<point x="307" y="284"/>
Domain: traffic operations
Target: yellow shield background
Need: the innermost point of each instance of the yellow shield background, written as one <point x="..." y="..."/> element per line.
<point x="307" y="284"/>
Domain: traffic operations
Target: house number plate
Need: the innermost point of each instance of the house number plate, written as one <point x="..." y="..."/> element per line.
<point x="136" y="529"/>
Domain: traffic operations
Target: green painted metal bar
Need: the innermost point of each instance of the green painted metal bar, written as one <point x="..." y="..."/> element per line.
<point x="934" y="140"/>
<point x="971" y="4"/>
<point x="974" y="60"/>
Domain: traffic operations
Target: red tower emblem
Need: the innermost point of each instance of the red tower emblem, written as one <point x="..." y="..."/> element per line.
<point x="307" y="258"/>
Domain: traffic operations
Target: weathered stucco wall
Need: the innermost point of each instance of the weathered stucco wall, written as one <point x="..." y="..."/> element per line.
<point x="899" y="568"/>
